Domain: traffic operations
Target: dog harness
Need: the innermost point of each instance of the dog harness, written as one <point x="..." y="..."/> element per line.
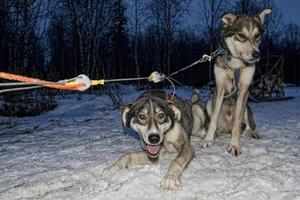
<point x="170" y="97"/>
<point x="233" y="94"/>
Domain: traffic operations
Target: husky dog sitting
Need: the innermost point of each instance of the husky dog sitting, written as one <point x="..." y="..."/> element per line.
<point x="163" y="126"/>
<point x="226" y="118"/>
<point x="240" y="38"/>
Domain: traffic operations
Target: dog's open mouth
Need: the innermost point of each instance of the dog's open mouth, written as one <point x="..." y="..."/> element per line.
<point x="153" y="150"/>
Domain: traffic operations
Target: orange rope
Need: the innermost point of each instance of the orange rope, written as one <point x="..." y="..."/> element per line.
<point x="40" y="82"/>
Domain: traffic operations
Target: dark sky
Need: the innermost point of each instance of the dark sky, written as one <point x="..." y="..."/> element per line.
<point x="290" y="10"/>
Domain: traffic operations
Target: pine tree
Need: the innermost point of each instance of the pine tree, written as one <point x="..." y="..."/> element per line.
<point x="119" y="40"/>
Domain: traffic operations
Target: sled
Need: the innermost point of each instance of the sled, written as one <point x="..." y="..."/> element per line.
<point x="269" y="81"/>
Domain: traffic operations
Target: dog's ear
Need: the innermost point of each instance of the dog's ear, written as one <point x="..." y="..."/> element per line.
<point x="124" y="114"/>
<point x="229" y="18"/>
<point x="261" y="16"/>
<point x="177" y="112"/>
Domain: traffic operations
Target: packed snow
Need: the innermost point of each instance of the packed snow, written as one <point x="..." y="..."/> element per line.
<point x="61" y="154"/>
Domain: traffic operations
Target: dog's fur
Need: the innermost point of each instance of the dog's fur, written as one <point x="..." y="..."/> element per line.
<point x="163" y="126"/>
<point x="240" y="36"/>
<point x="226" y="117"/>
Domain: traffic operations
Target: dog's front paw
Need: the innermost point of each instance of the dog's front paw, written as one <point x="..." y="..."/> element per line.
<point x="206" y="143"/>
<point x="252" y="134"/>
<point x="109" y="171"/>
<point x="170" y="183"/>
<point x="234" y="150"/>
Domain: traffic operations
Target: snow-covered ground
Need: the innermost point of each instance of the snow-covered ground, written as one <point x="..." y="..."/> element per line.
<point x="61" y="154"/>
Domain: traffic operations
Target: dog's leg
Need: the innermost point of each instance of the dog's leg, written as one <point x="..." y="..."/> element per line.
<point x="245" y="80"/>
<point x="172" y="179"/>
<point x="127" y="160"/>
<point x="220" y="75"/>
<point x="199" y="122"/>
<point x="250" y="124"/>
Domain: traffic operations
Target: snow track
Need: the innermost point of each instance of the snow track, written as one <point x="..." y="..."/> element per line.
<point x="61" y="154"/>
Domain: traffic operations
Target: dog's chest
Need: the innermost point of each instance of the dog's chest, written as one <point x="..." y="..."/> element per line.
<point x="229" y="71"/>
<point x="235" y="64"/>
<point x="174" y="139"/>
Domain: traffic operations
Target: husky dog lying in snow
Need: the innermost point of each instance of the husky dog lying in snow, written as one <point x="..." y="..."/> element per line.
<point x="240" y="38"/>
<point x="163" y="126"/>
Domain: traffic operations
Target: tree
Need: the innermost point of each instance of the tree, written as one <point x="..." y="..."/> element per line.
<point x="249" y="7"/>
<point x="165" y="16"/>
<point x="59" y="53"/>
<point x="87" y="25"/>
<point x="4" y="36"/>
<point x="291" y="38"/>
<point x="24" y="42"/>
<point x="210" y="15"/>
<point x="273" y="26"/>
<point x="291" y="48"/>
<point x="137" y="16"/>
<point x="119" y="39"/>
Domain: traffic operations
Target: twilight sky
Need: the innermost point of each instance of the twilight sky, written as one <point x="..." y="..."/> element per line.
<point x="290" y="10"/>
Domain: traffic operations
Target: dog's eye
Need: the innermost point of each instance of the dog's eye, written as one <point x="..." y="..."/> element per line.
<point x="242" y="37"/>
<point x="142" y="117"/>
<point x="161" y="116"/>
<point x="257" y="36"/>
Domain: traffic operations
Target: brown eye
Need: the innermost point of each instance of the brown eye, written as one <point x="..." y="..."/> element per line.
<point x="161" y="116"/>
<point x="142" y="117"/>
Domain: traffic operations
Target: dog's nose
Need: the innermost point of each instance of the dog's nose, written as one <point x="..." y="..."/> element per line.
<point x="256" y="55"/>
<point x="154" y="138"/>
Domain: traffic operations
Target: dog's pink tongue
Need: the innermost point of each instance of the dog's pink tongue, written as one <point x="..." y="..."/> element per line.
<point x="153" y="149"/>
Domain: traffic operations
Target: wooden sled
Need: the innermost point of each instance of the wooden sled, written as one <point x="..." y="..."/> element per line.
<point x="269" y="81"/>
<point x="269" y="99"/>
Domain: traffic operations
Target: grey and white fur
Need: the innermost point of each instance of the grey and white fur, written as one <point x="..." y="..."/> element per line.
<point x="240" y="36"/>
<point x="163" y="126"/>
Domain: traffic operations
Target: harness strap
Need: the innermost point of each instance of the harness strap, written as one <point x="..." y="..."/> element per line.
<point x="170" y="97"/>
<point x="225" y="52"/>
